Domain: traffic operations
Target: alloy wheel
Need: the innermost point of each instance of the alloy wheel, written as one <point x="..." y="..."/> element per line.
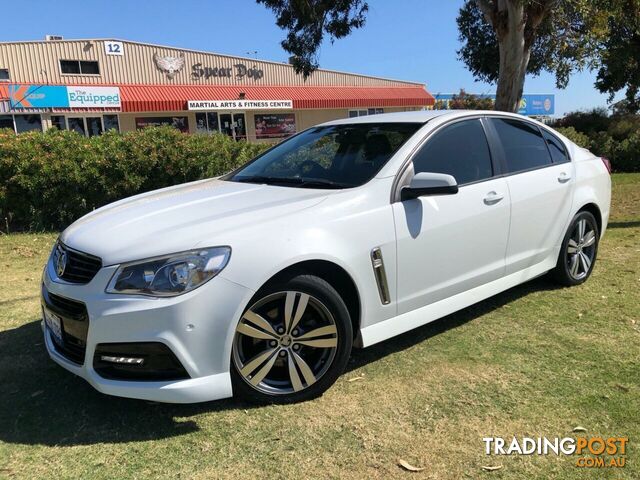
<point x="581" y="249"/>
<point x="285" y="342"/>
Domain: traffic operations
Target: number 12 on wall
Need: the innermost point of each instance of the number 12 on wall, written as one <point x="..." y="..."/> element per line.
<point x="114" y="48"/>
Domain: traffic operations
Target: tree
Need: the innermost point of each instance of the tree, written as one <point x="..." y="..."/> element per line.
<point x="308" y="21"/>
<point x="619" y="66"/>
<point x="467" y="101"/>
<point x="503" y="40"/>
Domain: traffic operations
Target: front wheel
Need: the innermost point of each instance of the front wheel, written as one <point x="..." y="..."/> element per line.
<point x="578" y="252"/>
<point x="292" y="343"/>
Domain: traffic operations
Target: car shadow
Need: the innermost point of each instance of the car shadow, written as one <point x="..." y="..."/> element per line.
<point x="43" y="404"/>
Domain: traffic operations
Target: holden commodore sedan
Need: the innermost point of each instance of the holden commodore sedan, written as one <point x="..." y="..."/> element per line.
<point x="259" y="283"/>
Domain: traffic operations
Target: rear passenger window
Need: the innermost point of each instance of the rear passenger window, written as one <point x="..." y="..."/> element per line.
<point x="523" y="145"/>
<point x="460" y="150"/>
<point x="556" y="148"/>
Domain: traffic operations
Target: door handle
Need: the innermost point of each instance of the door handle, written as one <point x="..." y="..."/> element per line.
<point x="492" y="198"/>
<point x="564" y="177"/>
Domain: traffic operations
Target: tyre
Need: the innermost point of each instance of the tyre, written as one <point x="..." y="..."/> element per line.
<point x="292" y="342"/>
<point x="578" y="252"/>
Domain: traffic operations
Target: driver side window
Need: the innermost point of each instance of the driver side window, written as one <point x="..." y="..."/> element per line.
<point x="460" y="149"/>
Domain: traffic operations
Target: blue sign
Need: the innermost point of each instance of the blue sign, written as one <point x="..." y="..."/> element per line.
<point x="63" y="96"/>
<point x="530" y="104"/>
<point x="538" y="104"/>
<point x="38" y="96"/>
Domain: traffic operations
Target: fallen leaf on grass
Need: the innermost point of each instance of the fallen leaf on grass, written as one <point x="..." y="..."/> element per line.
<point x="579" y="429"/>
<point x="487" y="468"/>
<point x="410" y="468"/>
<point x="361" y="377"/>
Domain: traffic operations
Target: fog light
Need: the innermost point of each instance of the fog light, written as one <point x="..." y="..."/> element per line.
<point x="125" y="360"/>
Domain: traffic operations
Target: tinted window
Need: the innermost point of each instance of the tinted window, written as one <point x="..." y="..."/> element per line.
<point x="4" y="74"/>
<point x="26" y="123"/>
<point x="84" y="67"/>
<point x="89" y="68"/>
<point x="69" y="66"/>
<point x="94" y="126"/>
<point x="111" y="122"/>
<point x="77" y="125"/>
<point x="334" y="156"/>
<point x="460" y="150"/>
<point x="58" y="122"/>
<point x="6" y="121"/>
<point x="523" y="145"/>
<point x="556" y="148"/>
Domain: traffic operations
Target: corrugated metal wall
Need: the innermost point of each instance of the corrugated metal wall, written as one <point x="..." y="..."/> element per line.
<point x="38" y="62"/>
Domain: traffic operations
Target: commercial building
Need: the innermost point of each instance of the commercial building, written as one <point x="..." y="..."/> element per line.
<point x="97" y="84"/>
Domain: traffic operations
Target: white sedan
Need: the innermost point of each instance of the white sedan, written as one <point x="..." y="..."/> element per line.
<point x="259" y="283"/>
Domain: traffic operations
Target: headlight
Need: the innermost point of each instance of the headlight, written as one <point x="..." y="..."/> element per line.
<point x="170" y="275"/>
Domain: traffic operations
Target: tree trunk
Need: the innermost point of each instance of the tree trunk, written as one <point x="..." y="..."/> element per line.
<point x="514" y="55"/>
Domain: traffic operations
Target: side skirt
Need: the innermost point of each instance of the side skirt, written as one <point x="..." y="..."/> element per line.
<point x="421" y="316"/>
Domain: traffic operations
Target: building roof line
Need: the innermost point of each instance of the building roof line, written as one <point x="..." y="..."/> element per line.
<point x="208" y="53"/>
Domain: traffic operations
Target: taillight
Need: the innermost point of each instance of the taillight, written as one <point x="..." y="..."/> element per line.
<point x="607" y="163"/>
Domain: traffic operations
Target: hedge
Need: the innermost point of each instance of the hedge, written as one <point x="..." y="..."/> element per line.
<point x="48" y="180"/>
<point x="616" y="137"/>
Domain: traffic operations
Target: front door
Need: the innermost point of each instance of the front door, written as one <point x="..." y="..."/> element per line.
<point x="447" y="244"/>
<point x="233" y="124"/>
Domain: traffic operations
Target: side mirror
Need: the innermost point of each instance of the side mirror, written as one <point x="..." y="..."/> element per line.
<point x="426" y="183"/>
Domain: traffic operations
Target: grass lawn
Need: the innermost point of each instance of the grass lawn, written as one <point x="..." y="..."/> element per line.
<point x="533" y="361"/>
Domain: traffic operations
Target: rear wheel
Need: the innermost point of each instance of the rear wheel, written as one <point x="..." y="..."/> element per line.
<point x="578" y="252"/>
<point x="292" y="343"/>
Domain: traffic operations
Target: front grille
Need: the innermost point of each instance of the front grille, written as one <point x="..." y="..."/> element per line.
<point x="79" y="267"/>
<point x="75" y="325"/>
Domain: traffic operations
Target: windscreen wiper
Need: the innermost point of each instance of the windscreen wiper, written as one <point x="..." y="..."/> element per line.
<point x="294" y="181"/>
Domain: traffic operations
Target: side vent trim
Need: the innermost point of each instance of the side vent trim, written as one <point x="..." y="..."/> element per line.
<point x="381" y="275"/>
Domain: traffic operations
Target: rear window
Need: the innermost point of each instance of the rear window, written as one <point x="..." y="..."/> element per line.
<point x="556" y="148"/>
<point x="523" y="145"/>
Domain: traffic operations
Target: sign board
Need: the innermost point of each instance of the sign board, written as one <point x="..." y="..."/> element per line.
<point x="530" y="104"/>
<point x="59" y="96"/>
<point x="114" y="48"/>
<point x="537" y="105"/>
<point x="239" y="104"/>
<point x="275" y="125"/>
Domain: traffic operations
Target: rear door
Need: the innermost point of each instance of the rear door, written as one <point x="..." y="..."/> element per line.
<point x="448" y="244"/>
<point x="539" y="176"/>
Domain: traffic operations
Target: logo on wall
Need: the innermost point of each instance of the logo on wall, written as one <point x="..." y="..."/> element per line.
<point x="170" y="65"/>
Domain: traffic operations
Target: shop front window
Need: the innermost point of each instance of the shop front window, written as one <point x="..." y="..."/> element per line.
<point x="58" y="122"/>
<point x="364" y="112"/>
<point x="181" y="123"/>
<point x="6" y="121"/>
<point x="76" y="124"/>
<point x="111" y="123"/>
<point x="94" y="126"/>
<point x="27" y="123"/>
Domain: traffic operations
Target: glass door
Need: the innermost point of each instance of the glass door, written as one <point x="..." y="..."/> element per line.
<point x="239" y="127"/>
<point x="233" y="124"/>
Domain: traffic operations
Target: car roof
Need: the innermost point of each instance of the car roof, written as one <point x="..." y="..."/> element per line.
<point x="420" y="116"/>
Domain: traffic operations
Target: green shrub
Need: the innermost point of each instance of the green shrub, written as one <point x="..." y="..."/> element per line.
<point x="576" y="137"/>
<point x="48" y="180"/>
<point x="616" y="137"/>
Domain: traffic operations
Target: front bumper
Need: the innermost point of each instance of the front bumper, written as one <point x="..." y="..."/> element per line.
<point x="197" y="327"/>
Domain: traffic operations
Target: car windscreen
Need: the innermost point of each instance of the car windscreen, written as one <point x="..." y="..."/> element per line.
<point x="332" y="156"/>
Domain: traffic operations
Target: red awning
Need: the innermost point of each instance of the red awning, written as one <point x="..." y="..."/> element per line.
<point x="154" y="98"/>
<point x="158" y="98"/>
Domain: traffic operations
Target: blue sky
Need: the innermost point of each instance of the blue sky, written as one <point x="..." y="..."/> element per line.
<point x="404" y="39"/>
